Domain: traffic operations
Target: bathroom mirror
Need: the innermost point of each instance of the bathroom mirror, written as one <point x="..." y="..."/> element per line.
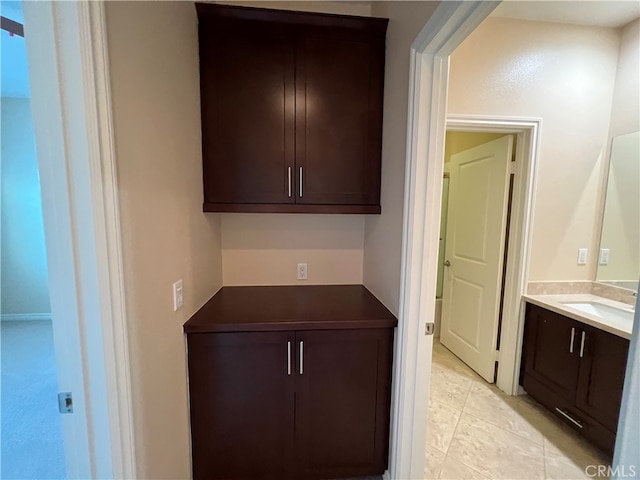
<point x="619" y="256"/>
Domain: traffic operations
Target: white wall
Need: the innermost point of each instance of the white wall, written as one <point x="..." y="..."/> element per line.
<point x="264" y="249"/>
<point x="156" y="106"/>
<point x="24" y="282"/>
<point x="625" y="111"/>
<point x="456" y="142"/>
<point x="564" y="74"/>
<point x="383" y="233"/>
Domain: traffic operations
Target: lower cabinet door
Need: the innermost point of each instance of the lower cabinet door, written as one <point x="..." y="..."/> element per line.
<point x="551" y="347"/>
<point x="342" y="402"/>
<point x="601" y="378"/>
<point x="242" y="405"/>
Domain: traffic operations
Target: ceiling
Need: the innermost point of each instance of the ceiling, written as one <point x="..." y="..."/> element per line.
<point x="612" y="14"/>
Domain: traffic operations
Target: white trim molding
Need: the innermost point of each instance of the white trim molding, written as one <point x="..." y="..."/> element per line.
<point x="69" y="74"/>
<point x="24" y="317"/>
<point x="106" y="215"/>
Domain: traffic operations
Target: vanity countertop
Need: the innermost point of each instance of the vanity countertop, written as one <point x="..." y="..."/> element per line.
<point x="556" y="303"/>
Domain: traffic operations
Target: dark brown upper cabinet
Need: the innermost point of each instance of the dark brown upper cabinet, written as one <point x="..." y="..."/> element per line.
<point x="291" y="110"/>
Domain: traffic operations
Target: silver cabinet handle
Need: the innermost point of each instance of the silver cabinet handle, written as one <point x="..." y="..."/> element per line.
<point x="289" y="358"/>
<point x="568" y="417"/>
<point x="582" y="345"/>
<point x="289" y="177"/>
<point x="300" y="182"/>
<point x="573" y="336"/>
<point x="301" y="358"/>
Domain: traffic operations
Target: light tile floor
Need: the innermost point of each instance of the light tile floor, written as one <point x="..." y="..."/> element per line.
<point x="476" y="431"/>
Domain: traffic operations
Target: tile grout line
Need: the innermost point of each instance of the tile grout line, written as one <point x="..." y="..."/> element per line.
<point x="455" y="429"/>
<point x="446" y="454"/>
<point x="544" y="457"/>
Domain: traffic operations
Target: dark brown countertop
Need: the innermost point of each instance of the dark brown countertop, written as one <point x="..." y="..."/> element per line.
<point x="277" y="308"/>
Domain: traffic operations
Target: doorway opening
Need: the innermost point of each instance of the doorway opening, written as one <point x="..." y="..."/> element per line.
<point x="505" y="148"/>
<point x="32" y="444"/>
<point x="69" y="83"/>
<point x="476" y="429"/>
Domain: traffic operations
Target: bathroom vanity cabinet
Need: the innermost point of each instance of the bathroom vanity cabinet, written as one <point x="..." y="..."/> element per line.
<point x="575" y="370"/>
<point x="291" y="110"/>
<point x="290" y="382"/>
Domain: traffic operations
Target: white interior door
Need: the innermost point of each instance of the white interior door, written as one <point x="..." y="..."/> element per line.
<point x="476" y="227"/>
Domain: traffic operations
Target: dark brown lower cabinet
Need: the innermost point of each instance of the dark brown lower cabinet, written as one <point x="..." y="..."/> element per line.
<point x="242" y="405"/>
<point x="575" y="370"/>
<point x="294" y="404"/>
<point x="342" y="402"/>
<point x="601" y="378"/>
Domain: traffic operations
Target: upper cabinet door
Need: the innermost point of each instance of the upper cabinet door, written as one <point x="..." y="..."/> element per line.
<point x="247" y="95"/>
<point x="339" y="97"/>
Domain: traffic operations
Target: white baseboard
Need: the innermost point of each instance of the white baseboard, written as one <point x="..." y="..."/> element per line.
<point x="21" y="317"/>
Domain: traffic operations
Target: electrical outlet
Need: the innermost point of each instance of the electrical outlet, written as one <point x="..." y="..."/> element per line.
<point x="302" y="271"/>
<point x="178" y="296"/>
<point x="582" y="256"/>
<point x="604" y="256"/>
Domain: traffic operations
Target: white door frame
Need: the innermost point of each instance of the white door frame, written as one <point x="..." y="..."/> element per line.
<point x="527" y="131"/>
<point x="447" y="28"/>
<point x="70" y="98"/>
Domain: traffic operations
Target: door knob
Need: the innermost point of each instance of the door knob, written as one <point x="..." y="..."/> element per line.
<point x="447" y="263"/>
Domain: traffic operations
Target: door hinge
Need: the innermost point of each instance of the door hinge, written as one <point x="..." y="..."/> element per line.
<point x="512" y="168"/>
<point x="496" y="356"/>
<point x="429" y="328"/>
<point x="65" y="402"/>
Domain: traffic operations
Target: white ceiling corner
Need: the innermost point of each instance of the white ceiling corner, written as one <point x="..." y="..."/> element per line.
<point x="611" y="14"/>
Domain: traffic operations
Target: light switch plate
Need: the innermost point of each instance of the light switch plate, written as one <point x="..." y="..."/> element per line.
<point x="582" y="256"/>
<point x="178" y="295"/>
<point x="604" y="256"/>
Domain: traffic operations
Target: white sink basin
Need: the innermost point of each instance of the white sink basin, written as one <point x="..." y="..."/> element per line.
<point x="613" y="315"/>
